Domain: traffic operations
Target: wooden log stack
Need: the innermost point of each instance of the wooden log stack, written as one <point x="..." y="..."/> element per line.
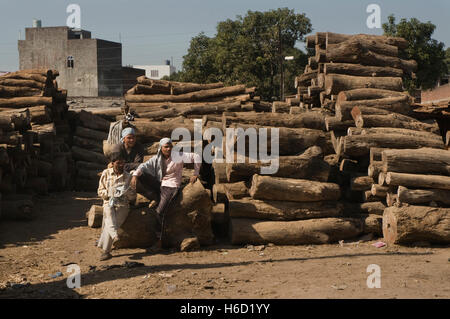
<point x="34" y="136"/>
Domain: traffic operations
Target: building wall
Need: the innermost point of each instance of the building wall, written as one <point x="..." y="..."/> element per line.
<point x="439" y="94"/>
<point x="109" y="68"/>
<point x="129" y="76"/>
<point x="159" y="71"/>
<point x="49" y="47"/>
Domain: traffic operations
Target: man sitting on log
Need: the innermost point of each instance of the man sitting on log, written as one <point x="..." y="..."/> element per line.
<point x="114" y="188"/>
<point x="132" y="151"/>
<point x="164" y="173"/>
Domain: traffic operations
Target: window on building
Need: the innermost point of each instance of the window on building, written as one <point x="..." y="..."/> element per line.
<point x="70" y="61"/>
<point x="154" y="73"/>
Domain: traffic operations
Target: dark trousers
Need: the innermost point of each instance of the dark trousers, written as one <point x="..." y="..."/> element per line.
<point x="151" y="188"/>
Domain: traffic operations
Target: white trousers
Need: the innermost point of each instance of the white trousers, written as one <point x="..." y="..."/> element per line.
<point x="113" y="218"/>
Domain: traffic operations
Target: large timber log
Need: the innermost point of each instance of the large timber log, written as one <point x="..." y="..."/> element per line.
<point x="391" y="120"/>
<point x="15" y="120"/>
<point x="398" y="104"/>
<point x="21" y="83"/>
<point x="421" y="161"/>
<point x="361" y="70"/>
<point x="88" y="156"/>
<point x="390" y="130"/>
<point x="373" y="208"/>
<point x="335" y="83"/>
<point x="188" y="97"/>
<point x="283" y="210"/>
<point x="21" y="102"/>
<point x="91" y="134"/>
<point x="93" y="121"/>
<point x="313" y="120"/>
<point x="18" y="91"/>
<point x="289" y="189"/>
<point x="423" y="196"/>
<point x="188" y="220"/>
<point x="88" y="144"/>
<point x="309" y="165"/>
<point x="181" y="88"/>
<point x="333" y="38"/>
<point x="95" y="216"/>
<point x="411" y="224"/>
<point x="312" y="231"/>
<point x="148" y="131"/>
<point x="418" y="180"/>
<point x="236" y="190"/>
<point x="290" y="141"/>
<point x="367" y="94"/>
<point x="359" y="145"/>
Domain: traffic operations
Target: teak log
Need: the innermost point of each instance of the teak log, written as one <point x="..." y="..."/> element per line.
<point x="91" y="134"/>
<point x="283" y="210"/>
<point x="235" y="190"/>
<point x="423" y="196"/>
<point x="367" y="94"/>
<point x="392" y="120"/>
<point x="361" y="70"/>
<point x="418" y="180"/>
<point x="313" y="231"/>
<point x="93" y="121"/>
<point x="21" y="102"/>
<point x="299" y="190"/>
<point x="309" y="165"/>
<point x="359" y="145"/>
<point x="420" y="161"/>
<point x="410" y="224"/>
<point x="335" y="83"/>
<point x="95" y="216"/>
<point x="332" y="38"/>
<point x="88" y="156"/>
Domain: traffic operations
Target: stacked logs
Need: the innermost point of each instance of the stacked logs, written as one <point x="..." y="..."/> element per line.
<point x="91" y="128"/>
<point x="417" y="183"/>
<point x="34" y="132"/>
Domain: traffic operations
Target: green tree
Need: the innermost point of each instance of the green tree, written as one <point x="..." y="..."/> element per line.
<point x="247" y="50"/>
<point x="428" y="53"/>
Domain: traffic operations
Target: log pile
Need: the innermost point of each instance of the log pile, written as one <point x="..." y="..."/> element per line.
<point x="34" y="136"/>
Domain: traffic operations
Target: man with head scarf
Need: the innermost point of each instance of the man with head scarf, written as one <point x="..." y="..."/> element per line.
<point x="114" y="188"/>
<point x="166" y="172"/>
<point x="132" y="151"/>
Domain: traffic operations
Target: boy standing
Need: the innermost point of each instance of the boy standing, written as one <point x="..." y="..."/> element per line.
<point x="114" y="188"/>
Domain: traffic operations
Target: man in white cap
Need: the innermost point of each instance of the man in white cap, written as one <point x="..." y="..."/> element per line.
<point x="132" y="151"/>
<point x="167" y="174"/>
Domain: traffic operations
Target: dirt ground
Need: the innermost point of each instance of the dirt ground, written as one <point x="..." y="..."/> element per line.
<point x="31" y="252"/>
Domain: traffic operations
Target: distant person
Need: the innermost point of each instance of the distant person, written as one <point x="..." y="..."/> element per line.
<point x="114" y="188"/>
<point x="163" y="176"/>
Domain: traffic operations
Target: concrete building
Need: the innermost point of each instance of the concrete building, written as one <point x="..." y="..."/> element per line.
<point x="157" y="72"/>
<point x="87" y="66"/>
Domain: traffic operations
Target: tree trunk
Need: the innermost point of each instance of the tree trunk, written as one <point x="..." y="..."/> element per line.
<point x="182" y="88"/>
<point x="21" y="83"/>
<point x="372" y="224"/>
<point x="312" y="120"/>
<point x="308" y="165"/>
<point x="95" y="216"/>
<point x="91" y="134"/>
<point x="392" y="120"/>
<point x="361" y="183"/>
<point x="361" y="70"/>
<point x="189" y="217"/>
<point x="332" y="38"/>
<point x="359" y="145"/>
<point x="368" y="94"/>
<point x="335" y="83"/>
<point x="88" y="156"/>
<point x="410" y="224"/>
<point x="21" y="102"/>
<point x="421" y="161"/>
<point x="188" y="97"/>
<point x="282" y="210"/>
<point x="236" y="190"/>
<point x="93" y="121"/>
<point x="18" y="91"/>
<point x="379" y="190"/>
<point x="313" y="231"/>
<point x="299" y="190"/>
<point x="304" y="80"/>
<point x="375" y="208"/>
<point x="418" y="180"/>
<point x="399" y="104"/>
<point x="332" y="123"/>
<point x="423" y="196"/>
<point x="390" y="130"/>
<point x="88" y="144"/>
<point x="149" y="131"/>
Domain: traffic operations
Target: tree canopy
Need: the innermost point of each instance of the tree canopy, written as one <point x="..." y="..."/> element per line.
<point x="247" y="50"/>
<point x="429" y="53"/>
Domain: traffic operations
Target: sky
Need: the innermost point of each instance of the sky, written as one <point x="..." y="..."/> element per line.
<point x="152" y="31"/>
